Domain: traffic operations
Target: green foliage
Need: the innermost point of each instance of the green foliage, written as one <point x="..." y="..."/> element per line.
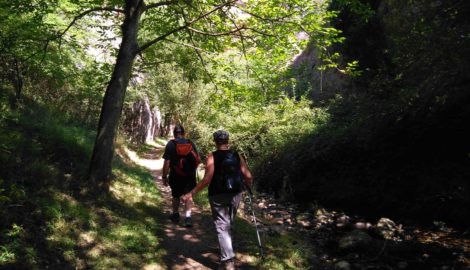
<point x="177" y="94"/>
<point x="201" y="198"/>
<point x="60" y="72"/>
<point x="281" y="251"/>
<point x="38" y="152"/>
<point x="361" y="10"/>
<point x="45" y="222"/>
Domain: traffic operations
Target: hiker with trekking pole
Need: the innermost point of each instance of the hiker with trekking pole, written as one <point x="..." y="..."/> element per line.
<point x="227" y="175"/>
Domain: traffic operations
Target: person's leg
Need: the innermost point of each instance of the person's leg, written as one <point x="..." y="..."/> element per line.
<point x="175" y="204"/>
<point x="176" y="191"/>
<point x="221" y="214"/>
<point x="188" y="207"/>
<point x="190" y="184"/>
<point x="234" y="204"/>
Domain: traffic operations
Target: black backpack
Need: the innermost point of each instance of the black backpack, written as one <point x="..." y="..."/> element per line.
<point x="187" y="159"/>
<point x="230" y="175"/>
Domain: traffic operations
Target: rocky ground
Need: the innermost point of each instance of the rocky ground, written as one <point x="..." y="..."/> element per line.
<point x="348" y="242"/>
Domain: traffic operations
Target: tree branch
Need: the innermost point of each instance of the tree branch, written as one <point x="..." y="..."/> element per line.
<point x="199" y="55"/>
<point x="160" y="4"/>
<point x="186" y="25"/>
<point x="260" y="32"/>
<point x="242" y="40"/>
<point x="185" y="45"/>
<point x="61" y="34"/>
<point x="278" y="19"/>
<point x="216" y="34"/>
<point x="86" y="12"/>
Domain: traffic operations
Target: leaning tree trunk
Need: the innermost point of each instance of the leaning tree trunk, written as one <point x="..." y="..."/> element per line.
<point x="99" y="173"/>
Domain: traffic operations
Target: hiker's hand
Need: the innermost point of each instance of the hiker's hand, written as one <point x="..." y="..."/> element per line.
<point x="186" y="197"/>
<point x="165" y="180"/>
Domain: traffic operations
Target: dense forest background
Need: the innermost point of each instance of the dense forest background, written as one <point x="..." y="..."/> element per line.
<point x="397" y="137"/>
<point x="355" y="105"/>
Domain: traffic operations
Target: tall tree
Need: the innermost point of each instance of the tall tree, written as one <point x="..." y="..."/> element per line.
<point x="272" y="27"/>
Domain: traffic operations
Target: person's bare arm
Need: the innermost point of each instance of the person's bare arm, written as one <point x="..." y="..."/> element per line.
<point x="166" y="167"/>
<point x="246" y="172"/>
<point x="206" y="180"/>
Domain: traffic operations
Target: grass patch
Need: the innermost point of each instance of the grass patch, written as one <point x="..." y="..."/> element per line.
<point x="287" y="250"/>
<point x="46" y="223"/>
<point x="142" y="148"/>
<point x="281" y="251"/>
<point x="161" y="141"/>
<point x="118" y="232"/>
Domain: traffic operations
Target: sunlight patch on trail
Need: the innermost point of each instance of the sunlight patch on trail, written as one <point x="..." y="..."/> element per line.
<point x="151" y="164"/>
<point x="152" y="267"/>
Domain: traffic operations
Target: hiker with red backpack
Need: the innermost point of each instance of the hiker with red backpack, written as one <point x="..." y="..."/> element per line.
<point x="181" y="160"/>
<point x="226" y="174"/>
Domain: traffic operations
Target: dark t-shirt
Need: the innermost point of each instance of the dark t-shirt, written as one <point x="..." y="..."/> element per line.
<point x="170" y="152"/>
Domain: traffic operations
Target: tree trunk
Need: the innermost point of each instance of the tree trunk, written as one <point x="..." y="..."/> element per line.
<point x="158" y="119"/>
<point x="165" y="125"/>
<point x="99" y="173"/>
<point x="18" y="81"/>
<point x="141" y="122"/>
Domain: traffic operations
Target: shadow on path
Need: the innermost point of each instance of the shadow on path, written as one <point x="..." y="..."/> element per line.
<point x="187" y="248"/>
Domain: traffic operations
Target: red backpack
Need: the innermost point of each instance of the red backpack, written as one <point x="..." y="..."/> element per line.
<point x="187" y="159"/>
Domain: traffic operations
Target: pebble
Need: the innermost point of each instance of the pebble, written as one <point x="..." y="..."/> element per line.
<point x="402" y="265"/>
<point x="342" y="265"/>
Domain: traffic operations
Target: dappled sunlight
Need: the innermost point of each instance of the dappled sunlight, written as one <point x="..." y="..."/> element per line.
<point x="96" y="251"/>
<point x="151" y="164"/>
<point x="246" y="257"/>
<point x="448" y="238"/>
<point x="159" y="145"/>
<point x="190" y="238"/>
<point x="87" y="238"/>
<point x="120" y="232"/>
<point x="153" y="266"/>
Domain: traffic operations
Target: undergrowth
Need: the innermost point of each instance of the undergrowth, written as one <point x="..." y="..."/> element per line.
<point x="47" y="222"/>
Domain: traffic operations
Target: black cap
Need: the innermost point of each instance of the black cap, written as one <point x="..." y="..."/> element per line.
<point x="221" y="136"/>
<point x="179" y="129"/>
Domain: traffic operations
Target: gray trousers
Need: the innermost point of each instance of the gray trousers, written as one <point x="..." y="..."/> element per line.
<point x="224" y="208"/>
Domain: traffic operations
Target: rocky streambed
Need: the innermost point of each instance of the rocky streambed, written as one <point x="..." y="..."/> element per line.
<point x="347" y="242"/>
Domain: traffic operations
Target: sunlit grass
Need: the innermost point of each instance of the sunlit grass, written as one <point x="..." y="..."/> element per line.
<point x="160" y="141"/>
<point x="115" y="234"/>
<point x="143" y="148"/>
<point x="62" y="230"/>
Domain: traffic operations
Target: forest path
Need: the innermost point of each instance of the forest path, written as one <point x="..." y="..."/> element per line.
<point x="187" y="248"/>
<point x="390" y="245"/>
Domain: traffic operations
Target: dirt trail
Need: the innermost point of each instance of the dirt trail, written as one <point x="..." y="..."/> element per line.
<point x="197" y="247"/>
<point x="187" y="248"/>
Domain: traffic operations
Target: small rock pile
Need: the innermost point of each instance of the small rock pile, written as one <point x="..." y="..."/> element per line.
<point x="350" y="242"/>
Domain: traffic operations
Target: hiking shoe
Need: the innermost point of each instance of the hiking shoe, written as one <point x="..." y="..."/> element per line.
<point x="175" y="217"/>
<point x="188" y="222"/>
<point x="227" y="265"/>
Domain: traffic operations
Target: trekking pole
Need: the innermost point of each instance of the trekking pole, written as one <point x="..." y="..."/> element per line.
<point x="250" y="195"/>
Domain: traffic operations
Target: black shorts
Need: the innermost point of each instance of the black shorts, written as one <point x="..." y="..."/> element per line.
<point x="181" y="185"/>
